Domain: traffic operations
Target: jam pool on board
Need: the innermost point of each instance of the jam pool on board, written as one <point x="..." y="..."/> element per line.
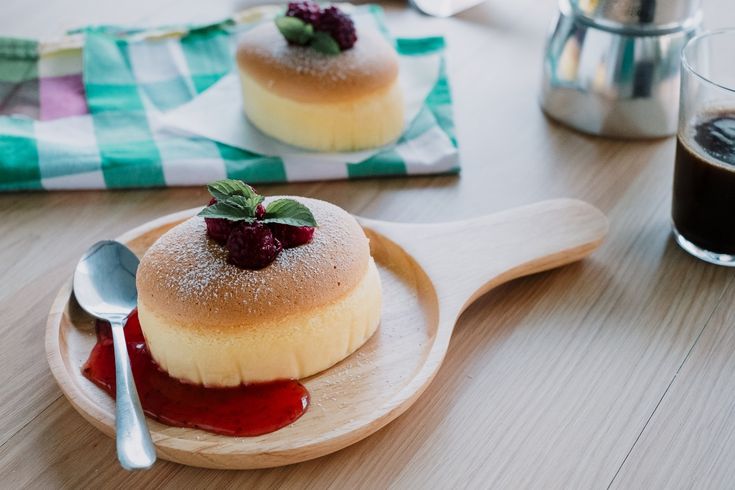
<point x="245" y="410"/>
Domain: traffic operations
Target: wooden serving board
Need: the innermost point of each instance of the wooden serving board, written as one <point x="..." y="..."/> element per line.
<point x="430" y="274"/>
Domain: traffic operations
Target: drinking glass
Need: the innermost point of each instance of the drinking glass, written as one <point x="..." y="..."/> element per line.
<point x="703" y="204"/>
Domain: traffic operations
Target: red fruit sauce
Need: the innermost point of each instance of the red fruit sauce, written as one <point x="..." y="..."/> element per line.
<point x="246" y="410"/>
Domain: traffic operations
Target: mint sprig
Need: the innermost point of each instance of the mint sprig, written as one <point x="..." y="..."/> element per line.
<point x="299" y="32"/>
<point x="288" y="212"/>
<point x="237" y="201"/>
<point x="222" y="189"/>
<point x="295" y="30"/>
<point x="234" y="208"/>
<point x="324" y="43"/>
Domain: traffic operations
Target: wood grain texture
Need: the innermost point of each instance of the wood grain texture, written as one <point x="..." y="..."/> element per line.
<point x="549" y="381"/>
<point x="690" y="440"/>
<point x="369" y="389"/>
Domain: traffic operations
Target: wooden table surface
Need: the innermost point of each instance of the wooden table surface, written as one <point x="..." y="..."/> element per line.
<point x="614" y="372"/>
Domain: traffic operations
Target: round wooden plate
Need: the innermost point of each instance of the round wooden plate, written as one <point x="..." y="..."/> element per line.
<point x="430" y="273"/>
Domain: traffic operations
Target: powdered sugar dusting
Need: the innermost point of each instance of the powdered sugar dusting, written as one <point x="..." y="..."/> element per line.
<point x="186" y="275"/>
<point x="366" y="59"/>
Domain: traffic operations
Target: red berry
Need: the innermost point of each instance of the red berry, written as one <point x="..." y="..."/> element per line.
<point x="252" y="246"/>
<point x="260" y="212"/>
<point x="307" y="11"/>
<point x="292" y="236"/>
<point x="218" y="229"/>
<point x="338" y="25"/>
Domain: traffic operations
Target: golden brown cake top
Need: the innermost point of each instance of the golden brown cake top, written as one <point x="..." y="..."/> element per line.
<point x="304" y="74"/>
<point x="185" y="277"/>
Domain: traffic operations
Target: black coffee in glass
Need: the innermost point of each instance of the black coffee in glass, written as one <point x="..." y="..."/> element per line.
<point x="704" y="183"/>
<point x="703" y="204"/>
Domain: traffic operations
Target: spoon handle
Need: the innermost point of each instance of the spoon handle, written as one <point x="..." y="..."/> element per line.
<point x="135" y="449"/>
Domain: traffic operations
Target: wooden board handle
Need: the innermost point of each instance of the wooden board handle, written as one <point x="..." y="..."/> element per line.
<point x="465" y="259"/>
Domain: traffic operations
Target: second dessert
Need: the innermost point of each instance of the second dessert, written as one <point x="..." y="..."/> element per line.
<point x="310" y="79"/>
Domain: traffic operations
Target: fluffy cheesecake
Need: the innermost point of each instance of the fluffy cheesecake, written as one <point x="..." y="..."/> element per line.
<point x="344" y="102"/>
<point x="211" y="323"/>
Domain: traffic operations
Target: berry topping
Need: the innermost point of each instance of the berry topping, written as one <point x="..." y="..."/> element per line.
<point x="254" y="234"/>
<point x="218" y="229"/>
<point x="329" y="31"/>
<point x="292" y="236"/>
<point x="338" y="25"/>
<point x="260" y="212"/>
<point x="252" y="245"/>
<point x="307" y="11"/>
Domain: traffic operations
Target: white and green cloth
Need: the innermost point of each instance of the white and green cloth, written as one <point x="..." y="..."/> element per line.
<point x="86" y="113"/>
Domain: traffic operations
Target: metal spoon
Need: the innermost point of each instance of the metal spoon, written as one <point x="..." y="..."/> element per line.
<point x="104" y="285"/>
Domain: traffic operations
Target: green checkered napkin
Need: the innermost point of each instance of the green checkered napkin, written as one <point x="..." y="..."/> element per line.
<point x="77" y="114"/>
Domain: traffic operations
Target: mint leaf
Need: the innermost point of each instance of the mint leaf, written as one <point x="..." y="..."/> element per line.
<point x="288" y="212"/>
<point x="223" y="189"/>
<point x="295" y="30"/>
<point x="324" y="43"/>
<point x="252" y="201"/>
<point x="234" y="208"/>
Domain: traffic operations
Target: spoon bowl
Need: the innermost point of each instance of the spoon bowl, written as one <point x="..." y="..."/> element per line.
<point x="104" y="280"/>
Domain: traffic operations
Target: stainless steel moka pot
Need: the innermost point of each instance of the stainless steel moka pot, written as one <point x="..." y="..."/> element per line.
<point x="612" y="67"/>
